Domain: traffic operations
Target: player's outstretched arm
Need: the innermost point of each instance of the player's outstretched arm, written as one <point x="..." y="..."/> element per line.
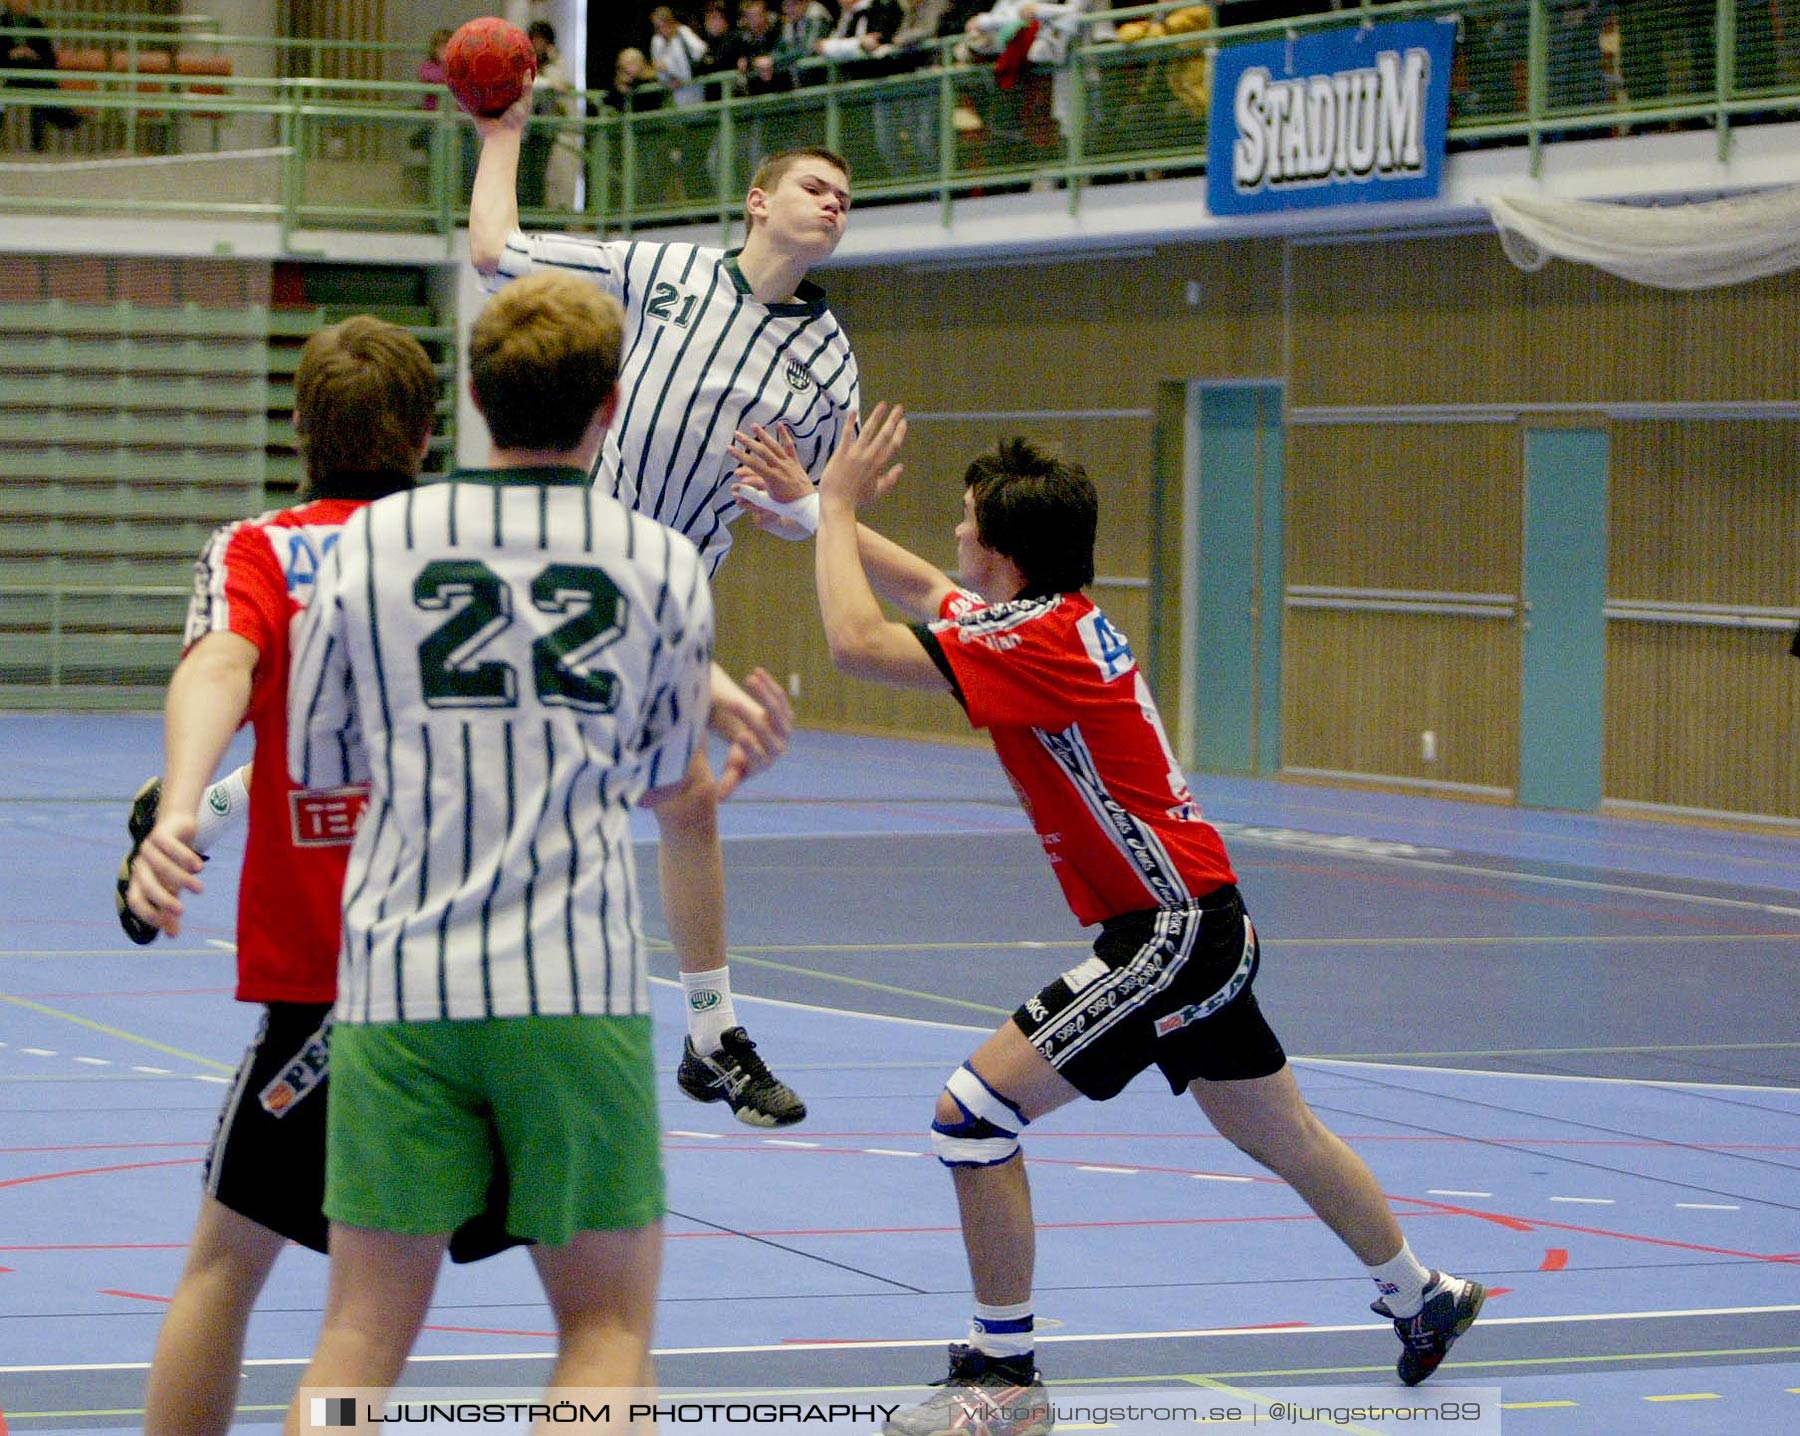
<point x="208" y="697"/>
<point x="770" y="472"/>
<point x="863" y="641"/>
<point x="494" y="200"/>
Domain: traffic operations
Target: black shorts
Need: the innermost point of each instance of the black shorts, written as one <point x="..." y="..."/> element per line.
<point x="267" y="1159"/>
<point x="1170" y="986"/>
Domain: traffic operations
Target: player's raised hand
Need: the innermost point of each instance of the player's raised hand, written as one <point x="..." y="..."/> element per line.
<point x="166" y="865"/>
<point x="755" y="719"/>
<point x="771" y="481"/>
<point x="511" y="120"/>
<point x="864" y="466"/>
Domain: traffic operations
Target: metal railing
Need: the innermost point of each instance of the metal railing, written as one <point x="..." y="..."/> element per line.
<point x="341" y="152"/>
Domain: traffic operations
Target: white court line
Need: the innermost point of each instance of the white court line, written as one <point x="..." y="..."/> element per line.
<point x="938" y="1341"/>
<point x="1312" y="1061"/>
<point x="1706" y="1207"/>
<point x="1449" y="1192"/>
<point x="1587" y="1201"/>
<point x="1467" y="869"/>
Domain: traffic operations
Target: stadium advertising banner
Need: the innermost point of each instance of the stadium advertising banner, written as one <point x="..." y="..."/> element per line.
<point x="1351" y="116"/>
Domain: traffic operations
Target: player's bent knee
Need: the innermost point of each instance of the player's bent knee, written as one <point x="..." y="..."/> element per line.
<point x="975" y="1126"/>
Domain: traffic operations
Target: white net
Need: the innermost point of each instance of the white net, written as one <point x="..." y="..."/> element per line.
<point x="1677" y="246"/>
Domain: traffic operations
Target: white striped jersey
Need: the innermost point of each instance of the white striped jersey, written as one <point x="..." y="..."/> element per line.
<point x="703" y="359"/>
<point x="509" y="659"/>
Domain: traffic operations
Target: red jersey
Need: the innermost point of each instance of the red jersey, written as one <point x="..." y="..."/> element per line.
<point x="252" y="579"/>
<point x="1079" y="736"/>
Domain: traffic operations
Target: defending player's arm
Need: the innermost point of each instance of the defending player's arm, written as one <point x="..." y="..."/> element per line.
<point x="864" y="642"/>
<point x="770" y="469"/>
<point x="208" y="697"/>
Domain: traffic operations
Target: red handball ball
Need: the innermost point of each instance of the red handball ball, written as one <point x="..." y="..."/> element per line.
<point x="488" y="64"/>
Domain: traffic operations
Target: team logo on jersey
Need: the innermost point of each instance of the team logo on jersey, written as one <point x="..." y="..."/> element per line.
<point x="327" y="818"/>
<point x="299" y="1077"/>
<point x="797" y="377"/>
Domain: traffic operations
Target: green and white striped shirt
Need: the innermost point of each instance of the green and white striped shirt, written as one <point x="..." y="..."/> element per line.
<point x="509" y="659"/>
<point x="703" y="359"/>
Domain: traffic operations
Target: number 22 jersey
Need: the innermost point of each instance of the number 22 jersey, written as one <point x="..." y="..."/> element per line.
<point x="1076" y="729"/>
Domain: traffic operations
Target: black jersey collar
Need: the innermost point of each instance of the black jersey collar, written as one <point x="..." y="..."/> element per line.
<point x="808" y="299"/>
<point x="535" y="474"/>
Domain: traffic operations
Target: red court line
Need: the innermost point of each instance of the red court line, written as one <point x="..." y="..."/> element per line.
<point x="97" y="1171"/>
<point x="133" y="1295"/>
<point x="1556" y="1259"/>
<point x="97" y="1147"/>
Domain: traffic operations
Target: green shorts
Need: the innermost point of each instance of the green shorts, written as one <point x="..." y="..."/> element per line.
<point x="420" y="1111"/>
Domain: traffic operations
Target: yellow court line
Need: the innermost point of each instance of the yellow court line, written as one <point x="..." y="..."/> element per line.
<point x="117" y="1032"/>
<point x="1689" y="1396"/>
<point x="1533" y="1405"/>
<point x="1212" y="1384"/>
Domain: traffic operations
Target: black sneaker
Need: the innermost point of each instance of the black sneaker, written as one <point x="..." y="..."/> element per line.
<point x="138" y="823"/>
<point x="1451" y="1306"/>
<point x="735" y="1074"/>
<point x="982" y="1396"/>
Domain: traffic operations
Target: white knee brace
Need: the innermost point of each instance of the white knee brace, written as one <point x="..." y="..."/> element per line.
<point x="987" y="1133"/>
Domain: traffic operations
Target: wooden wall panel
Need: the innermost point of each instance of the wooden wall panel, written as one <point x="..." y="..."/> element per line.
<point x="964" y="347"/>
<point x="1451" y="321"/>
<point x="1702" y="718"/>
<point x="1071" y="334"/>
<point x="1413" y="506"/>
<point x="1390" y="676"/>
<point x="1705" y="512"/>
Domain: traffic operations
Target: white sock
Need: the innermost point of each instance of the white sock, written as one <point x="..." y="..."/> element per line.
<point x="709" y="1010"/>
<point x="1402" y="1281"/>
<point x="1004" y="1331"/>
<point x="222" y="807"/>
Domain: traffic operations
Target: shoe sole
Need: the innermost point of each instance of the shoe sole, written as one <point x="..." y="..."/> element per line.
<point x="748" y="1116"/>
<point x="1456" y="1334"/>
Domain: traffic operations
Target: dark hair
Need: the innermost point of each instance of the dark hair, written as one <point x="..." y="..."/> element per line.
<point x="364" y="398"/>
<point x="1039" y="511"/>
<point x="542" y="30"/>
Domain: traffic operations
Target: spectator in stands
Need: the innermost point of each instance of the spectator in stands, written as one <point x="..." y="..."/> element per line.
<point x="431" y="68"/>
<point x="553" y="149"/>
<point x="634" y="85"/>
<point x="1667" y="50"/>
<point x="906" y="125"/>
<point x="28" y="47"/>
<point x="754" y="37"/>
<point x="803" y="24"/>
<point x="862" y="33"/>
<point x="678" y="55"/>
<point x="1575" y="73"/>
<point x="1014" y="35"/>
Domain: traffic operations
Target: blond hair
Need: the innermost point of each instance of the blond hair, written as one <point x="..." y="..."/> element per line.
<point x="364" y="398"/>
<point x="543" y="357"/>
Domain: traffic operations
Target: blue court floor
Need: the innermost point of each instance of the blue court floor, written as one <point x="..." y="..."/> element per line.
<point x="1565" y="1044"/>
